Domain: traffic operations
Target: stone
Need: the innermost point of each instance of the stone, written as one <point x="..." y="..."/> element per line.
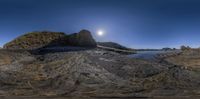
<point x="83" y="38"/>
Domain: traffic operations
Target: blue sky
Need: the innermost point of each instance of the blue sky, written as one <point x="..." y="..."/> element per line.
<point x="133" y="23"/>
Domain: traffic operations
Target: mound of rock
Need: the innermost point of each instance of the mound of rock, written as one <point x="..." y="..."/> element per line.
<point x="83" y="38"/>
<point x="36" y="40"/>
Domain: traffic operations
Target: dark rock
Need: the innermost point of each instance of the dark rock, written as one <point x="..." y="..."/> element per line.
<point x="83" y="38"/>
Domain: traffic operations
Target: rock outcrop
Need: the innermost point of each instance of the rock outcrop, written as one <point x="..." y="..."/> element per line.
<point x="36" y="40"/>
<point x="83" y="38"/>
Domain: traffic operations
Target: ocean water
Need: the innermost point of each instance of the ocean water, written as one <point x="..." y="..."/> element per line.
<point x="147" y="55"/>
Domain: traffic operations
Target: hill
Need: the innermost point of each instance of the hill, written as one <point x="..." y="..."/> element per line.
<point x="113" y="45"/>
<point x="34" y="40"/>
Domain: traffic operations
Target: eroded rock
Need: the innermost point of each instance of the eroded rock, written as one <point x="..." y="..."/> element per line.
<point x="35" y="40"/>
<point x="94" y="73"/>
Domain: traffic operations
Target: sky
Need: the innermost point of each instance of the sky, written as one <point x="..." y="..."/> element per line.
<point x="133" y="23"/>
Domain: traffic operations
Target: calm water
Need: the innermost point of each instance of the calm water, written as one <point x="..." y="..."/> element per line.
<point x="147" y="55"/>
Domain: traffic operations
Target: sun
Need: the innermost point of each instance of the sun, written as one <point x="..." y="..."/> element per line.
<point x="100" y="33"/>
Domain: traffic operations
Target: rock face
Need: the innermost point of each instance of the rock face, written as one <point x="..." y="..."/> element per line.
<point x="83" y="38"/>
<point x="36" y="40"/>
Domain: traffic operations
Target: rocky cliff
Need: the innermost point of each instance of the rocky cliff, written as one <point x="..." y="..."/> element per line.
<point x="36" y="40"/>
<point x="83" y="38"/>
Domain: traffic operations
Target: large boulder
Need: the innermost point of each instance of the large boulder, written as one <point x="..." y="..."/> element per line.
<point x="34" y="40"/>
<point x="83" y="38"/>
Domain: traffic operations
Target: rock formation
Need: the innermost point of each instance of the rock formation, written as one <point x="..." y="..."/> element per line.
<point x="83" y="38"/>
<point x="36" y="40"/>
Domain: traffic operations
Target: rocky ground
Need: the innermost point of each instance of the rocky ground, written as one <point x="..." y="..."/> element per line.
<point x="189" y="59"/>
<point x="92" y="73"/>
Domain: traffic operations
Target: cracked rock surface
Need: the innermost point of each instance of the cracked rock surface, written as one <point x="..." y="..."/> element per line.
<point x="91" y="73"/>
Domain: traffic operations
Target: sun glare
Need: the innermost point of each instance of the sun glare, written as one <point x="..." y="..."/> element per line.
<point x="100" y="33"/>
